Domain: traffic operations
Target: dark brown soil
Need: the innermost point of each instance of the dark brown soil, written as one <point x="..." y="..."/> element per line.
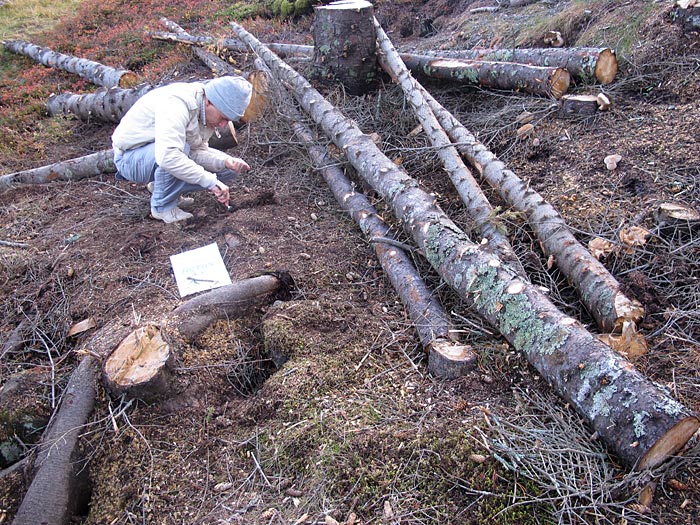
<point x="352" y="426"/>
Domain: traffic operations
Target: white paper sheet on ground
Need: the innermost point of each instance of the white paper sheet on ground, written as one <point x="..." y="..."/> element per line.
<point x="199" y="269"/>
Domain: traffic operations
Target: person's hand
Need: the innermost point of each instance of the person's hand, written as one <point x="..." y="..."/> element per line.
<point x="221" y="193"/>
<point x="237" y="165"/>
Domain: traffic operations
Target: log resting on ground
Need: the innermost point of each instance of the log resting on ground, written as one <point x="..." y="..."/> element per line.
<point x="60" y="482"/>
<point x="478" y="206"/>
<point x="104" y="105"/>
<point x="536" y="80"/>
<point x="640" y="423"/>
<point x="67" y="170"/>
<point x="97" y="73"/>
<point x="599" y="290"/>
<point x="447" y="358"/>
<point x="587" y="64"/>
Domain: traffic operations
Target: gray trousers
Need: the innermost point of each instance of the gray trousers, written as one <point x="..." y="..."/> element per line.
<point x="139" y="165"/>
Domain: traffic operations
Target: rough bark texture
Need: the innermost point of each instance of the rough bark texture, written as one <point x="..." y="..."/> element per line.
<point x="600" y="292"/>
<point x="346" y="45"/>
<point x="640" y="423"/>
<point x="60" y="482"/>
<point x="536" y="80"/>
<point x="234" y="300"/>
<point x="68" y="170"/>
<point x="97" y="73"/>
<point x="587" y="64"/>
<point x="428" y="315"/>
<point x="211" y="60"/>
<point x="468" y="188"/>
<point x="104" y="105"/>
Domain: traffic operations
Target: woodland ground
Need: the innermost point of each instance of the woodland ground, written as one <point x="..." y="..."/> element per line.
<point x="352" y="426"/>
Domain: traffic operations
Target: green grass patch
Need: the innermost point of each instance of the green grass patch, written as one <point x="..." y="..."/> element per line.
<point x="22" y="19"/>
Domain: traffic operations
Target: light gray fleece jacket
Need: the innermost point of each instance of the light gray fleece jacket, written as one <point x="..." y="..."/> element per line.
<point x="171" y="116"/>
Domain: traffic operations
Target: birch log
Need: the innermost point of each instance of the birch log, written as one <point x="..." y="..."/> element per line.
<point x="640" y="423"/>
<point x="104" y="105"/>
<point x="446" y="358"/>
<point x="67" y="170"/>
<point x="587" y="64"/>
<point x="478" y="206"/>
<point x="97" y="73"/>
<point x="599" y="290"/>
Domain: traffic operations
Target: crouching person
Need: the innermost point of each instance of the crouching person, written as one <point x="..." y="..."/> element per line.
<point x="163" y="141"/>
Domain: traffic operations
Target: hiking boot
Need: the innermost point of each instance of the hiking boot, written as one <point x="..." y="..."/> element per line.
<point x="172" y="215"/>
<point x="184" y="202"/>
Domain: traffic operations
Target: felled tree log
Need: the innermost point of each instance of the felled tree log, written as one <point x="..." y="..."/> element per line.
<point x="540" y="80"/>
<point x="104" y="105"/>
<point x="446" y="358"/>
<point x="60" y="486"/>
<point x="599" y="290"/>
<point x="345" y="47"/>
<point x="97" y="73"/>
<point x="468" y="188"/>
<point x="639" y="422"/>
<point x="141" y="365"/>
<point x="587" y="64"/>
<point x="234" y="300"/>
<point x="67" y="170"/>
<point x="536" y="80"/>
<point x="212" y="61"/>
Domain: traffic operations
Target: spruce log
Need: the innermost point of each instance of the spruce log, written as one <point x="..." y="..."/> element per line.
<point x="528" y="78"/>
<point x="587" y="64"/>
<point x="67" y="170"/>
<point x="447" y="358"/>
<point x="640" y="423"/>
<point x="599" y="290"/>
<point x="97" y="73"/>
<point x="346" y="47"/>
<point x="104" y="105"/>
<point x="536" y="80"/>
<point x="211" y="60"/>
<point x="478" y="206"/>
<point x="193" y="316"/>
<point x="60" y="486"/>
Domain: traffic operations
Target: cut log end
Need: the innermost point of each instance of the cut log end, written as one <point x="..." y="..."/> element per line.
<point x="626" y="310"/>
<point x="559" y="82"/>
<point x="140" y="365"/>
<point x="606" y="67"/>
<point x="448" y="360"/>
<point x="128" y="80"/>
<point x="670" y="443"/>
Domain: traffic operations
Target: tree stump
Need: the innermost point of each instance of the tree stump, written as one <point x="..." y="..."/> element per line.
<point x="345" y="44"/>
<point x="579" y="105"/>
<point x="140" y="366"/>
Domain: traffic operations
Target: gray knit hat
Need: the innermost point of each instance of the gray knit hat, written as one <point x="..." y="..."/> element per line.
<point x="230" y="95"/>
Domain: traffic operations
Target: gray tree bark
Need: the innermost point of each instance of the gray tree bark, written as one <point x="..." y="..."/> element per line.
<point x="640" y="423"/>
<point x="587" y="64"/>
<point x="67" y="170"/>
<point x="345" y="47"/>
<point x="104" y="105"/>
<point x="599" y="290"/>
<point x="97" y="73"/>
<point x="468" y="188"/>
<point x="447" y="358"/>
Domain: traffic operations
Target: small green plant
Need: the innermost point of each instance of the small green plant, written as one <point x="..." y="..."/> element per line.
<point x="240" y="11"/>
